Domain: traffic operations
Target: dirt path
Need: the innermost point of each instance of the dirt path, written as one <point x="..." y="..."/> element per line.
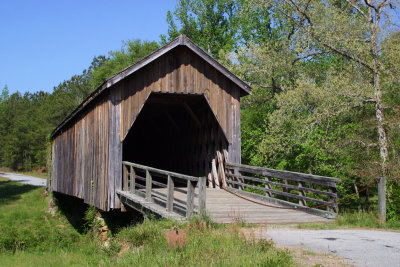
<point x="357" y="247"/>
<point x="25" y="179"/>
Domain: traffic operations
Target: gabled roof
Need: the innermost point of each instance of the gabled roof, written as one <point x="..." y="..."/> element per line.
<point x="182" y="40"/>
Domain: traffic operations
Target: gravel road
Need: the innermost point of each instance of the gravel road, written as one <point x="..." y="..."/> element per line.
<point x="358" y="247"/>
<point x="24" y="179"/>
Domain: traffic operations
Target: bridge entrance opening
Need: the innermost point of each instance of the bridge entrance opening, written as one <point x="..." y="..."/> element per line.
<point x="177" y="133"/>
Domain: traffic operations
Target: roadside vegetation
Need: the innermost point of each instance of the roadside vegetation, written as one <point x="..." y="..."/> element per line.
<point x="360" y="219"/>
<point x="30" y="236"/>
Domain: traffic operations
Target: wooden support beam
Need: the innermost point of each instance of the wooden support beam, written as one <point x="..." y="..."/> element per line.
<point x="132" y="180"/>
<point x="302" y="193"/>
<point x="191" y="113"/>
<point x="178" y="130"/>
<point x="170" y="194"/>
<point x="149" y="181"/>
<point x="221" y="169"/>
<point x="202" y="196"/>
<point x="268" y="186"/>
<point x="125" y="178"/>
<point x="215" y="173"/>
<point x="237" y="174"/>
<point x="189" y="200"/>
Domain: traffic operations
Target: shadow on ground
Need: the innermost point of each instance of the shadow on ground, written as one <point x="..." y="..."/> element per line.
<point x="11" y="191"/>
<point x="74" y="209"/>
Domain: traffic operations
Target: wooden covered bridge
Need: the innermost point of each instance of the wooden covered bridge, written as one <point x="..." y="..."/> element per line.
<point x="163" y="136"/>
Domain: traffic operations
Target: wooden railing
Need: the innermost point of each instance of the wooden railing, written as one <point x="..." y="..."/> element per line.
<point x="138" y="179"/>
<point x="288" y="187"/>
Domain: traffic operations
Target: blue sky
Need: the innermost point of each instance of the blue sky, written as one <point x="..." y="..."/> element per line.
<point x="43" y="43"/>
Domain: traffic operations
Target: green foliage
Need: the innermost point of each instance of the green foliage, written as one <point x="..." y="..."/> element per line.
<point x="91" y="221"/>
<point x="24" y="223"/>
<point x="360" y="219"/>
<point x="130" y="53"/>
<point x="211" y="24"/>
<point x="32" y="237"/>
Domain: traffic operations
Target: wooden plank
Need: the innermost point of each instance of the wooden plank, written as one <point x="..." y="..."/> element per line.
<point x="125" y="179"/>
<point x="163" y="172"/>
<point x="190" y="200"/>
<point x="283" y="193"/>
<point x="294" y="176"/>
<point x="132" y="175"/>
<point x="202" y="196"/>
<point x="148" y="186"/>
<point x="302" y="193"/>
<point x="221" y="168"/>
<point x="170" y="193"/>
<point x="215" y="173"/>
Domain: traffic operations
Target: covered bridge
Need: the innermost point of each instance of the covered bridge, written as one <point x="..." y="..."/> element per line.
<point x="172" y="110"/>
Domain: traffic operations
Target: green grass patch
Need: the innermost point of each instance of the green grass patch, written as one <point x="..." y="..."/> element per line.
<point x="360" y="219"/>
<point x="29" y="236"/>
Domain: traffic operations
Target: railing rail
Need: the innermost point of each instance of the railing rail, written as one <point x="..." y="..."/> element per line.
<point x="290" y="186"/>
<point x="131" y="178"/>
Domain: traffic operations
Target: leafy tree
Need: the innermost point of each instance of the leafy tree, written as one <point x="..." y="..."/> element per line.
<point x="212" y="24"/>
<point x="353" y="30"/>
<point x="131" y="52"/>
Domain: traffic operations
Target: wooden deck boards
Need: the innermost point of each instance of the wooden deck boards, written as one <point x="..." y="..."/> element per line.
<point x="224" y="207"/>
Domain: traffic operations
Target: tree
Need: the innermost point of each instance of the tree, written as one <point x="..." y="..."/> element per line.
<point x="355" y="31"/>
<point x="131" y="52"/>
<point x="212" y="24"/>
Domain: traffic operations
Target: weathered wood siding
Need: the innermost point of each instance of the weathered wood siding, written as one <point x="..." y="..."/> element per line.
<point x="87" y="154"/>
<point x="183" y="72"/>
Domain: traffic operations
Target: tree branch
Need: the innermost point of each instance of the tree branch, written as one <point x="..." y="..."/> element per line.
<point x="325" y="44"/>
<point x="357" y="8"/>
<point x="309" y="55"/>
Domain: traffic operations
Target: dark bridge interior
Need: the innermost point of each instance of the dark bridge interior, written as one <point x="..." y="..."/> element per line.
<point x="175" y="132"/>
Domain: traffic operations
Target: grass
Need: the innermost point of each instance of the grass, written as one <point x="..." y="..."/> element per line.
<point x="360" y="219"/>
<point x="29" y="236"/>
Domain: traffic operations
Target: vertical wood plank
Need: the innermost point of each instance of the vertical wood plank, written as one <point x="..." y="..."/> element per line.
<point x="170" y="194"/>
<point x="267" y="186"/>
<point x="302" y="202"/>
<point x="189" y="200"/>
<point x="125" y="181"/>
<point x="132" y="180"/>
<point x="149" y="181"/>
<point x="202" y="196"/>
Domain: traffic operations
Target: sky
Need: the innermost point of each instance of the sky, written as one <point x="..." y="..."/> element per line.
<point x="44" y="42"/>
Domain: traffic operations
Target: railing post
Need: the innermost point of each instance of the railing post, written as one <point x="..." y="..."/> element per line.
<point x="202" y="196"/>
<point x="285" y="189"/>
<point x="125" y="178"/>
<point x="170" y="194"/>
<point x="148" y="186"/>
<point x="132" y="180"/>
<point x="302" y="193"/>
<point x="334" y="208"/>
<point x="189" y="200"/>
<point x="237" y="172"/>
<point x="267" y="186"/>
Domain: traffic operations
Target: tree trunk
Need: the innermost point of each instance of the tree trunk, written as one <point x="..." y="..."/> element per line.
<point x="383" y="142"/>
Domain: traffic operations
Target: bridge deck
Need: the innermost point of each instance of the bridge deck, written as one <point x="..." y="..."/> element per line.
<point x="224" y="207"/>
